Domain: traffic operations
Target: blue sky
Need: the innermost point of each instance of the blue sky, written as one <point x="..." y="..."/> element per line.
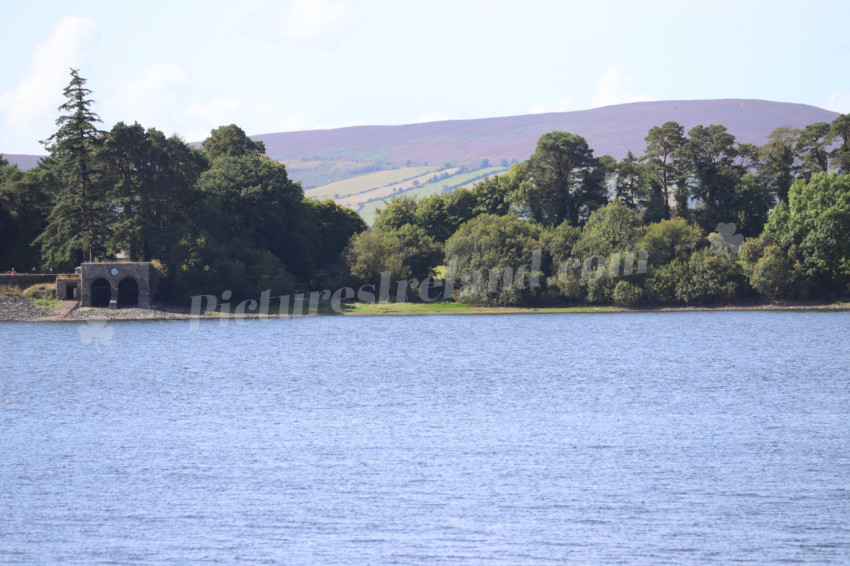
<point x="188" y="67"/>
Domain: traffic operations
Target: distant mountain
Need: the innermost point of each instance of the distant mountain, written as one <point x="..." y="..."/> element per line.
<point x="361" y="166"/>
<point x="457" y="149"/>
<point x="612" y="129"/>
<point x="23" y="162"/>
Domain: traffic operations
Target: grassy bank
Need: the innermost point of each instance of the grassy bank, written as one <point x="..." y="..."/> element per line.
<point x="42" y="296"/>
<point x="389" y="309"/>
<point x="15" y="306"/>
<point x="454" y="308"/>
<point x="443" y="307"/>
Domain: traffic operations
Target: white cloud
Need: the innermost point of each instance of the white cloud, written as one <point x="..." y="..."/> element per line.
<point x="615" y="87"/>
<point x="270" y="118"/>
<point x="254" y="119"/>
<point x="431" y="117"/>
<point x="564" y="104"/>
<point x="312" y="20"/>
<point x="151" y="96"/>
<point x="218" y="111"/>
<point x="839" y="101"/>
<point x="293" y="123"/>
<point x="35" y="99"/>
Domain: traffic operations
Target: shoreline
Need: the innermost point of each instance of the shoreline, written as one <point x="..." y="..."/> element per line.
<point x="16" y="309"/>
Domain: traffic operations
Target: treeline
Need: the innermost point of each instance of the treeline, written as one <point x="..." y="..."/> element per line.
<point x="222" y="217"/>
<point x="712" y="220"/>
<point x="687" y="203"/>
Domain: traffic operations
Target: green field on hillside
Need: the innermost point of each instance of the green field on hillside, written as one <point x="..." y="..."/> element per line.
<point x="371" y="181"/>
<point x="388" y="191"/>
<point x="369" y="209"/>
<point x="455" y="181"/>
<point x="471" y="184"/>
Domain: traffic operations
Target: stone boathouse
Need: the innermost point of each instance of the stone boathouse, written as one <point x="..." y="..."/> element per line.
<point x="114" y="285"/>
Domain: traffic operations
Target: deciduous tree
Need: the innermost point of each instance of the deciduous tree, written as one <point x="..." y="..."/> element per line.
<point x="23" y="207"/>
<point x="400" y="210"/>
<point x="611" y="228"/>
<point x="816" y="223"/>
<point x="231" y="141"/>
<point x="490" y="246"/>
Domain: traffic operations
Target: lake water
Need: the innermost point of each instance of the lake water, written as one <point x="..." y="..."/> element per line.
<point x="674" y="438"/>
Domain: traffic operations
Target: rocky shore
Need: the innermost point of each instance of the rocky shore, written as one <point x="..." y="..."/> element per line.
<point x="19" y="308"/>
<point x="88" y="313"/>
<point x="14" y="308"/>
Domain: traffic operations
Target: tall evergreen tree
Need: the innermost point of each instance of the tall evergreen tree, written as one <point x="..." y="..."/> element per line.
<point x="662" y="148"/>
<point x="632" y="183"/>
<point x="840" y="135"/>
<point x="77" y="224"/>
<point x="126" y="155"/>
<point x="777" y="164"/>
<point x="813" y="149"/>
<point x="710" y="157"/>
<point x="563" y="181"/>
<point x="149" y="181"/>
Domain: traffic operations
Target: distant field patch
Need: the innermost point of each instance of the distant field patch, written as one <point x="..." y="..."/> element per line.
<point x="369" y="209"/>
<point x="455" y="181"/>
<point x="357" y="199"/>
<point x="471" y="184"/>
<point x="362" y="183"/>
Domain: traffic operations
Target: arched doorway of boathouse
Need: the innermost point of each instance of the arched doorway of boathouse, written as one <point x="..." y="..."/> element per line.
<point x="101" y="292"/>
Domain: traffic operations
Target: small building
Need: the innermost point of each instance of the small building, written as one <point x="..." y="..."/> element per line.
<point x="68" y="287"/>
<point x="114" y="285"/>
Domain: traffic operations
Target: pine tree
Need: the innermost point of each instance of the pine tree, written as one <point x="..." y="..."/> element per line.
<point x="77" y="223"/>
<point x="663" y="145"/>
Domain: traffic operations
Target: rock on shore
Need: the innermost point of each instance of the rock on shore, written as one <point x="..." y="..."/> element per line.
<point x="89" y="313"/>
<point x="14" y="308"/>
<point x="18" y="308"/>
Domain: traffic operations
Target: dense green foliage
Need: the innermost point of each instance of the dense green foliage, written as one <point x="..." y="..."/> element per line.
<point x="563" y="227"/>
<point x="561" y="181"/>
<point x="24" y="206"/>
<point x="813" y="227"/>
<point x="683" y="209"/>
<point x="483" y="247"/>
<point x="406" y="253"/>
<point x="224" y="217"/>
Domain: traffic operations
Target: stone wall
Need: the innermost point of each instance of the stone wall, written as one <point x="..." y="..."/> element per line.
<point x="63" y="283"/>
<point x="114" y="274"/>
